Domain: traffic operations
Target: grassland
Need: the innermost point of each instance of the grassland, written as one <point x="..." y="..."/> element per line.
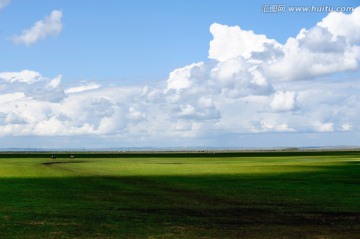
<point x="249" y="195"/>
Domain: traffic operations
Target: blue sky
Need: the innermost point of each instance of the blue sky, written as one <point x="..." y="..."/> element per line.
<point x="138" y="71"/>
<point x="134" y="40"/>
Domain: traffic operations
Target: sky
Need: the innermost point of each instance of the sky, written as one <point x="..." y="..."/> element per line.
<point x="160" y="73"/>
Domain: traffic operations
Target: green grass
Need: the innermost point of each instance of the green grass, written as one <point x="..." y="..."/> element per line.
<point x="181" y="196"/>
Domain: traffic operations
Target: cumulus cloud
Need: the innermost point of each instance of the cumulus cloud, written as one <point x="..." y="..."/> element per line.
<point x="313" y="53"/>
<point x="237" y="77"/>
<point x="284" y="101"/>
<point x="183" y="78"/>
<point x="344" y="25"/>
<point x="50" y="26"/>
<point x="252" y="85"/>
<point x="329" y="47"/>
<point x="11" y="118"/>
<point x="25" y="76"/>
<point x="324" y="127"/>
<point x="232" y="41"/>
<point x="32" y="84"/>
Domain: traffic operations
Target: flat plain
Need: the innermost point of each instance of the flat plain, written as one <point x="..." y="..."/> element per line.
<point x="181" y="195"/>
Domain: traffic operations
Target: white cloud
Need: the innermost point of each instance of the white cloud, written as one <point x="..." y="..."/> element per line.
<point x="54" y="83"/>
<point x="11" y="118"/>
<point x="25" y="76"/>
<point x="313" y="53"/>
<point x="81" y="88"/>
<point x="254" y="85"/>
<point x="284" y="101"/>
<point x="344" y="25"/>
<point x="345" y="127"/>
<point x="324" y="127"/>
<point x="230" y="42"/>
<point x="4" y="3"/>
<point x="270" y="125"/>
<point x="329" y="47"/>
<point x="136" y="115"/>
<point x="182" y="78"/>
<point x="50" y="26"/>
<point x="237" y="77"/>
<point x="187" y="110"/>
<point x="32" y="84"/>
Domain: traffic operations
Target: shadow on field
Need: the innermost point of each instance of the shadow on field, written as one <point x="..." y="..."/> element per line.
<point x="64" y="162"/>
<point x="321" y="204"/>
